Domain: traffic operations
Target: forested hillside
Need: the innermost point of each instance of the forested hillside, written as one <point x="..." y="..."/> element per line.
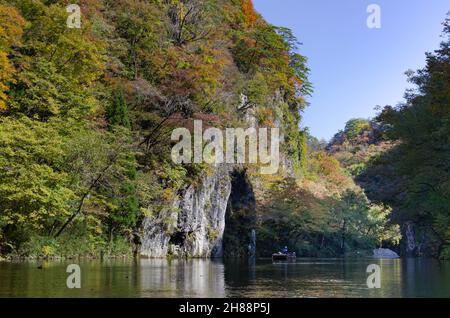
<point x="420" y="162"/>
<point x="86" y="116"/>
<point x="86" y="113"/>
<point x="401" y="157"/>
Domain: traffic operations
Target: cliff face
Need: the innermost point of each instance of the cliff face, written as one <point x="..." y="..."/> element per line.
<point x="216" y="216"/>
<point x="194" y="225"/>
<point x="212" y="219"/>
<point x="246" y="85"/>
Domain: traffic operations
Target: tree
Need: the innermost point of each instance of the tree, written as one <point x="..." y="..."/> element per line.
<point x="138" y="23"/>
<point x="11" y="30"/>
<point x="77" y="54"/>
<point x="250" y="15"/>
<point x="420" y="126"/>
<point x="188" y="21"/>
<point x="261" y="49"/>
<point x="354" y="127"/>
<point x="35" y="191"/>
<point x="361" y="223"/>
<point x="99" y="163"/>
<point x="256" y="93"/>
<point x="297" y="63"/>
<point x="379" y="226"/>
<point x="117" y="112"/>
<point x="42" y="92"/>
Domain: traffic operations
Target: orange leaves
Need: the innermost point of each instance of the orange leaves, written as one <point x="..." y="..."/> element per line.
<point x="11" y="24"/>
<point x="250" y="15"/>
<point x="265" y="117"/>
<point x="250" y="42"/>
<point x="328" y="166"/>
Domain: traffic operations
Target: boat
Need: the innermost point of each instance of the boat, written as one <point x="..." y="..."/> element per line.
<point x="283" y="256"/>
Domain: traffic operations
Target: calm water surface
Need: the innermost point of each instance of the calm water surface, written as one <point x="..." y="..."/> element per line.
<point x="211" y="278"/>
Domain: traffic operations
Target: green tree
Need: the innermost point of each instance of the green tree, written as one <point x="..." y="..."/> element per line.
<point x="360" y="223"/>
<point x="35" y="192"/>
<point x="139" y="24"/>
<point x="117" y="112"/>
<point x="354" y="127"/>
<point x="421" y="127"/>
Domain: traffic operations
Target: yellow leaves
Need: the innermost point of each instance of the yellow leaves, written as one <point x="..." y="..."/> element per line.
<point x="208" y="59"/>
<point x="6" y="69"/>
<point x="3" y="97"/>
<point x="11" y="24"/>
<point x="146" y="212"/>
<point x="6" y="219"/>
<point x="33" y="189"/>
<point x="183" y="65"/>
<point x="182" y="11"/>
<point x="168" y="195"/>
<point x="48" y="250"/>
<point x="6" y="75"/>
<point x="94" y="225"/>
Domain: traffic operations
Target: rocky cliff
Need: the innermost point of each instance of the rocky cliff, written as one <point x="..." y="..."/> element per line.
<point x="216" y="216"/>
<point x="194" y="225"/>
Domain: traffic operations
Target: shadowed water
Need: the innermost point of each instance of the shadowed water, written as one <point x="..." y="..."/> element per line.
<point x="215" y="278"/>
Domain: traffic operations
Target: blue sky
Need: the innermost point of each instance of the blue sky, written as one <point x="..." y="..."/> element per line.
<point x="354" y="68"/>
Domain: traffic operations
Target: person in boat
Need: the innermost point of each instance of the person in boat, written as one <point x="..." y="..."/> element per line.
<point x="285" y="250"/>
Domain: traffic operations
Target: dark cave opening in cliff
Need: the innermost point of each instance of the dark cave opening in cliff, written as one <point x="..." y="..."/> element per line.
<point x="240" y="217"/>
<point x="178" y="238"/>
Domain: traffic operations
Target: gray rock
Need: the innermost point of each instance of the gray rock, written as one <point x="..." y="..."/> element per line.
<point x="193" y="226"/>
<point x="384" y="253"/>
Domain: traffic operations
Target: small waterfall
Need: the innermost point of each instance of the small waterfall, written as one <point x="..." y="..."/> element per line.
<point x="252" y="245"/>
<point x="410" y="242"/>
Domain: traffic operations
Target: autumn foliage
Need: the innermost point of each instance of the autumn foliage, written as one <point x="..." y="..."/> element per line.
<point x="250" y="15"/>
<point x="86" y="114"/>
<point x="11" y="30"/>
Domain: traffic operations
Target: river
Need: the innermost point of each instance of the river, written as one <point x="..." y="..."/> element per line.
<point x="215" y="278"/>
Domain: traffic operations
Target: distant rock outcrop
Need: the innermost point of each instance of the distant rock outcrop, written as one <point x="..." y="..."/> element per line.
<point x="384" y="253"/>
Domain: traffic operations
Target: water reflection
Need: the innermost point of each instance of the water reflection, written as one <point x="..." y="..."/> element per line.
<point x="206" y="278"/>
<point x="181" y="278"/>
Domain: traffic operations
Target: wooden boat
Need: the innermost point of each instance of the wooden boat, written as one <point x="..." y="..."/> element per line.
<point x="283" y="257"/>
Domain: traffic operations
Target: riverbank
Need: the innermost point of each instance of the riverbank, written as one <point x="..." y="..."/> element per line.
<point x="15" y="258"/>
<point x="68" y="247"/>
